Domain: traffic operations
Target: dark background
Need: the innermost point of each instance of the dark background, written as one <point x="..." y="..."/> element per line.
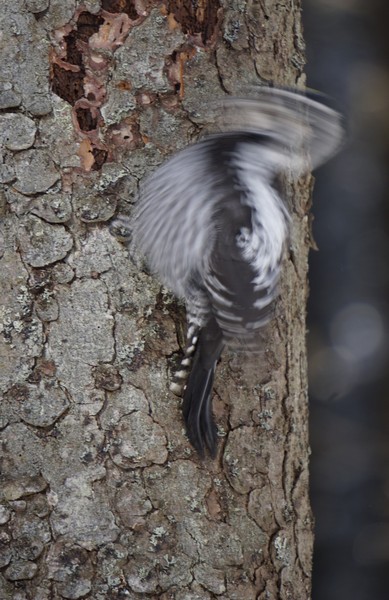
<point x="348" y="58"/>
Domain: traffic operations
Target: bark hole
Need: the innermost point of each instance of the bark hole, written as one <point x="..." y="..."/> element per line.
<point x="68" y="84"/>
<point x="120" y="6"/>
<point x="100" y="157"/>
<point x="86" y="120"/>
<point x="196" y="17"/>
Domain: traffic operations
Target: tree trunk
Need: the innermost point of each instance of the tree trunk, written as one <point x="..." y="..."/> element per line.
<point x="102" y="496"/>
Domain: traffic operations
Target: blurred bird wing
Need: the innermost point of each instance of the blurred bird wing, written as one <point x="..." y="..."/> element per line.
<point x="300" y="126"/>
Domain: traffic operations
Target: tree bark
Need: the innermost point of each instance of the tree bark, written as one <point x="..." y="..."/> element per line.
<point x="102" y="496"/>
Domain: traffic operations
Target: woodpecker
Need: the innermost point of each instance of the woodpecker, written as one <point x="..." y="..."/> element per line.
<point x="213" y="227"/>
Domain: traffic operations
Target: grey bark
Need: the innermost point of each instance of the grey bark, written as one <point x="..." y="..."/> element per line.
<point x="102" y="496"/>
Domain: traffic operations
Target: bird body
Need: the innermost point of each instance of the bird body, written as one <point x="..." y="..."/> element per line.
<point x="213" y="227"/>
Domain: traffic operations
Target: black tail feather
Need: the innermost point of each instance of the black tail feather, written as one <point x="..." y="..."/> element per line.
<point x="197" y="411"/>
<point x="197" y="400"/>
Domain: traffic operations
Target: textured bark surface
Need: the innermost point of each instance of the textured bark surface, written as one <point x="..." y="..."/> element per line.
<point x="101" y="496"/>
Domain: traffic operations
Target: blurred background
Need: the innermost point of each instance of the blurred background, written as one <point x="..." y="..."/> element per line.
<point x="348" y="58"/>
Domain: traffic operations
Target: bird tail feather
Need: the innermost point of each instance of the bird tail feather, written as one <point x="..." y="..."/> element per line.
<point x="204" y="348"/>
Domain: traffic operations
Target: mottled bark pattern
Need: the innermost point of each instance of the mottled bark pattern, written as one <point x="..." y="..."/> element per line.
<point x="102" y="496"/>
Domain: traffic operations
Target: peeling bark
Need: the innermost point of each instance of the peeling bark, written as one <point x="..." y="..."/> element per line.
<point x="102" y="496"/>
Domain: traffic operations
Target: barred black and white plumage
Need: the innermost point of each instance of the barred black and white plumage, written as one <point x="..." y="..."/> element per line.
<point x="213" y="227"/>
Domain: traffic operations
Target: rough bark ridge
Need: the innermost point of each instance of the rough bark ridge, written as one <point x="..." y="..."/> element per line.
<point x="102" y="497"/>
